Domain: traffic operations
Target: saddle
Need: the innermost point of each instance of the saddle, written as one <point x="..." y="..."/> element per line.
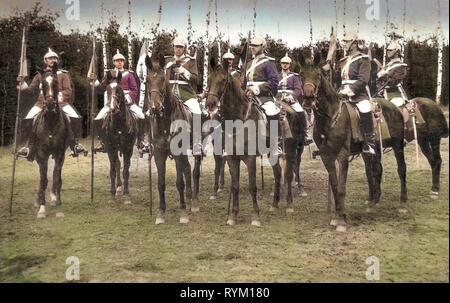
<point x="378" y="117"/>
<point x="410" y="110"/>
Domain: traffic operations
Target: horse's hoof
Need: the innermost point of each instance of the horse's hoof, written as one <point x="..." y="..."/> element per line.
<point x="341" y="228"/>
<point x="212" y="198"/>
<point x="231" y="222"/>
<point x="127" y="201"/>
<point x="59" y="215"/>
<point x="256" y="223"/>
<point x="303" y="193"/>
<point x="369" y="210"/>
<point x="184" y="219"/>
<point x="41" y="213"/>
<point x="434" y="195"/>
<point x="273" y="209"/>
<point x="160" y="220"/>
<point x="119" y="192"/>
<point x="289" y="210"/>
<point x="53" y="198"/>
<point x="195" y="209"/>
<point x="219" y="190"/>
<point x="334" y="222"/>
<point x="402" y="210"/>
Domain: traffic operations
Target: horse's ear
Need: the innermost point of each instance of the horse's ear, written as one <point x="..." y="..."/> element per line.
<point x="162" y="61"/>
<point x="119" y="77"/>
<point x="317" y="59"/>
<point x="55" y="68"/>
<point x="108" y="76"/>
<point x="148" y="63"/>
<point x="213" y="62"/>
<point x="226" y="64"/>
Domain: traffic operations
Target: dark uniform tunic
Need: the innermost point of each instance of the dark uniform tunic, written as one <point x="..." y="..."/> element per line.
<point x="187" y="88"/>
<point x="396" y="72"/>
<point x="355" y="72"/>
<point x="262" y="72"/>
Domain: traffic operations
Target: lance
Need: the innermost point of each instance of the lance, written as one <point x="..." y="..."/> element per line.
<point x="23" y="72"/>
<point x="92" y="76"/>
<point x="206" y="56"/>
<point x="310" y="31"/>
<point x="217" y="33"/>
<point x="130" y="54"/>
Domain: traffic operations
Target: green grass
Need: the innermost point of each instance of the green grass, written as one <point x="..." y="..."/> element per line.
<point x="118" y="242"/>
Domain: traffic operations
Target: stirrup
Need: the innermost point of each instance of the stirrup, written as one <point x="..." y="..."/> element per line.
<point x="368" y="149"/>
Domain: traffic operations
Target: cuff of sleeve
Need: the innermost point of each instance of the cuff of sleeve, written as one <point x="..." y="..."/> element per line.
<point x="187" y="74"/>
<point x="256" y="90"/>
<point x="129" y="101"/>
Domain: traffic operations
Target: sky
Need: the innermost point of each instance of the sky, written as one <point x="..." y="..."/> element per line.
<point x="288" y="20"/>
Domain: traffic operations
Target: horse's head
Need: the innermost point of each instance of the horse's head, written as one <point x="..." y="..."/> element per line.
<point x="114" y="92"/>
<point x="156" y="83"/>
<point x="50" y="89"/>
<point x="219" y="78"/>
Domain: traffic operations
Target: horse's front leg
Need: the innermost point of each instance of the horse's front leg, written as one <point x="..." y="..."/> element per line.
<point x="43" y="166"/>
<point x="288" y="175"/>
<point x="250" y="161"/>
<point x="196" y="175"/>
<point x="276" y="168"/>
<point x="112" y="170"/>
<point x="126" y="169"/>
<point x="340" y="198"/>
<point x="160" y="160"/>
<point x="57" y="180"/>
<point x="180" y="164"/>
<point x="330" y="165"/>
<point x="234" y="166"/>
<point x="119" y="185"/>
<point x="217" y="174"/>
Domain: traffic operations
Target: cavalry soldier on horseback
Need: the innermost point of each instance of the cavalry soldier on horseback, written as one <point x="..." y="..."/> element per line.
<point x="355" y="74"/>
<point x="65" y="98"/>
<point x="262" y="80"/>
<point x="391" y="78"/>
<point x="230" y="58"/>
<point x="290" y="92"/>
<point x="181" y="70"/>
<point x="131" y="91"/>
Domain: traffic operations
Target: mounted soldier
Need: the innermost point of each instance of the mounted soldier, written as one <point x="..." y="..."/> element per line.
<point x="131" y="91"/>
<point x="391" y="77"/>
<point x="65" y="100"/>
<point x="355" y="75"/>
<point x="290" y="92"/>
<point x="181" y="70"/>
<point x="230" y="58"/>
<point x="262" y="80"/>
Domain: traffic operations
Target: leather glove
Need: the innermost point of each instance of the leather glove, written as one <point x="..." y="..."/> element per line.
<point x="60" y="97"/>
<point x="182" y="71"/>
<point x="128" y="98"/>
<point x="381" y="73"/>
<point x="346" y="91"/>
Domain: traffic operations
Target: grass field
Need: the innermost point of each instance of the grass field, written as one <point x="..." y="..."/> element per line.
<point x="117" y="242"/>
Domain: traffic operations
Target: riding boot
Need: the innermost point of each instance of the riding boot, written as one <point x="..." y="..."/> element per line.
<point x="101" y="147"/>
<point x="304" y="128"/>
<point x="280" y="149"/>
<point x="28" y="151"/>
<point x="73" y="140"/>
<point x="368" y="132"/>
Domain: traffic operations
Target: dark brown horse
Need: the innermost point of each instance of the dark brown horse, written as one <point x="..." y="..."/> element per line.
<point x="332" y="134"/>
<point x="226" y="95"/>
<point x="52" y="138"/>
<point x="119" y="130"/>
<point x="164" y="109"/>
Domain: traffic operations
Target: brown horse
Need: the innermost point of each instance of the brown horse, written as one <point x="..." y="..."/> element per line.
<point x="164" y="109"/>
<point x="333" y="137"/>
<point x="119" y="130"/>
<point x="226" y="95"/>
<point x="52" y="138"/>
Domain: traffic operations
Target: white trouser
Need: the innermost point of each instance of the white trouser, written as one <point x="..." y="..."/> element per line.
<point x="270" y="108"/>
<point x="135" y="110"/>
<point x="398" y="101"/>
<point x="194" y="106"/>
<point x="297" y="107"/>
<point x="364" y="106"/>
<point x="68" y="110"/>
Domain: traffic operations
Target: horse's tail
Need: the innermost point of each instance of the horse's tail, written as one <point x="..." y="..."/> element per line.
<point x="436" y="123"/>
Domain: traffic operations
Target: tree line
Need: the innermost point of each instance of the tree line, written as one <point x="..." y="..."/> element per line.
<point x="75" y="51"/>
